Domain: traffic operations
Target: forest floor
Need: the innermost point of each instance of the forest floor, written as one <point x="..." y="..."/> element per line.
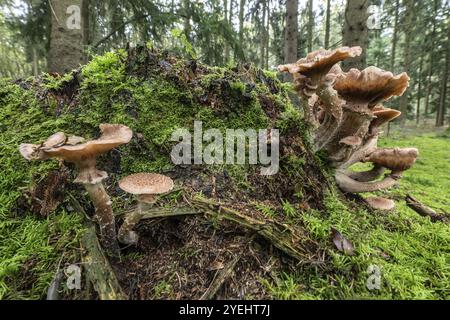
<point x="410" y="251"/>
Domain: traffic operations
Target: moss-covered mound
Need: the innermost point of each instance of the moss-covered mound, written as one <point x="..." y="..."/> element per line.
<point x="276" y="242"/>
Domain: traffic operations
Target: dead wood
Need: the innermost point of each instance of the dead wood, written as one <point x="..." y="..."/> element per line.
<point x="423" y="210"/>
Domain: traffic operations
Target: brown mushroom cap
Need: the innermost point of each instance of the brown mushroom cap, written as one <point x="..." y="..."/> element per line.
<point x="395" y="159"/>
<point x="320" y="62"/>
<point x="82" y="154"/>
<point x="352" y="141"/>
<point x="113" y="135"/>
<point x="371" y="85"/>
<point x="146" y="184"/>
<point x="55" y="140"/>
<point x="383" y="115"/>
<point x="379" y="203"/>
<point x="30" y="151"/>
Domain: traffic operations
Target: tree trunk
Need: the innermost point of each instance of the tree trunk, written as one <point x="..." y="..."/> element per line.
<point x="291" y="33"/>
<point x="267" y="36"/>
<point x="310" y="25"/>
<point x="355" y="32"/>
<point x="440" y="114"/>
<point x="35" y="63"/>
<point x="419" y="90"/>
<point x="327" y="25"/>
<point x="394" y="37"/>
<point x="262" y="46"/>
<point x="409" y="6"/>
<point x="67" y="36"/>
<point x="431" y="61"/>
<point x="227" y="47"/>
<point x="241" y="27"/>
<point x="187" y="19"/>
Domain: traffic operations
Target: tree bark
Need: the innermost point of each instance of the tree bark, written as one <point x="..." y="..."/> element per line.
<point x="409" y="6"/>
<point x="310" y="25"/>
<point x="327" y="25"/>
<point x="291" y="33"/>
<point x="355" y="32"/>
<point x="67" y="36"/>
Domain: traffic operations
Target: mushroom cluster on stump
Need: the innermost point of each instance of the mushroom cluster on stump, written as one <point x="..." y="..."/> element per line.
<point x="345" y="113"/>
<point x="146" y="186"/>
<point x="83" y="154"/>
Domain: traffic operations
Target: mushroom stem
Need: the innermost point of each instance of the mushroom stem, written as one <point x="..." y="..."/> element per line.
<point x="367" y="176"/>
<point x="104" y="216"/>
<point x="126" y="233"/>
<point x="348" y="184"/>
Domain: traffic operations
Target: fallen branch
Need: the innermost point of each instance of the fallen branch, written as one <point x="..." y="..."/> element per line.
<point x="423" y="210"/>
<point x="165" y="212"/>
<point x="98" y="269"/>
<point x="289" y="240"/>
<point x="219" y="279"/>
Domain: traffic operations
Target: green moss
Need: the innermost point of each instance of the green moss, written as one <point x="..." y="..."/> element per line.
<point x="153" y="104"/>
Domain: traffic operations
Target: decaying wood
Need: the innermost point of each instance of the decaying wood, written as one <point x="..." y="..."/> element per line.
<point x="423" y="210"/>
<point x="286" y="238"/>
<point x="97" y="268"/>
<point x="152" y="213"/>
<point x="219" y="279"/>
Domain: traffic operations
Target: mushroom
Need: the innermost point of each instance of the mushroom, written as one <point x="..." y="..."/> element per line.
<point x="146" y="186"/>
<point x="316" y="73"/>
<point x="346" y="112"/>
<point x="84" y="155"/>
<point x="379" y="203"/>
<point x="395" y="159"/>
<point x="371" y="86"/>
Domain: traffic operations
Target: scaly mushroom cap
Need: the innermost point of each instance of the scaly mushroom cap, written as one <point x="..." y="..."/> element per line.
<point x="372" y="85"/>
<point x="379" y="203"/>
<point x="320" y="62"/>
<point x="395" y="159"/>
<point x="146" y="184"/>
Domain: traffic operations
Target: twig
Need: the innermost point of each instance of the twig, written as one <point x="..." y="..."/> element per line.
<point x="219" y="279"/>
<point x="423" y="210"/>
<point x="98" y="269"/>
<point x="289" y="240"/>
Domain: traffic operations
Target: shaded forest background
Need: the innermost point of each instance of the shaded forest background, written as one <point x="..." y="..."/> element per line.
<point x="396" y="35"/>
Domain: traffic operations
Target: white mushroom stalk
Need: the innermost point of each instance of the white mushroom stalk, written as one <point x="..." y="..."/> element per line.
<point x="146" y="186"/>
<point x="344" y="109"/>
<point x="83" y="155"/>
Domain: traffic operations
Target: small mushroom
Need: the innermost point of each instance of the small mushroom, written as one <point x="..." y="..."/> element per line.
<point x="84" y="155"/>
<point x="382" y="116"/>
<point x="395" y="159"/>
<point x="379" y="203"/>
<point x="146" y="186"/>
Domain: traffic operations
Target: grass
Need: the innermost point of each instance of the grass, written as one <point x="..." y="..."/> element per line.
<point x="411" y="252"/>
